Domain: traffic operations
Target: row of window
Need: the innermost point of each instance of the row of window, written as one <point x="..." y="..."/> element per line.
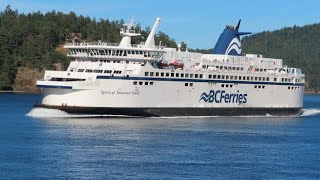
<point x="214" y="76"/>
<point x="234" y="68"/>
<point x="188" y="84"/>
<point x="66" y="79"/>
<point x="244" y="78"/>
<point x="190" y="75"/>
<point x="167" y="74"/>
<point x="227" y="85"/>
<point x="99" y="71"/>
<point x="259" y="87"/>
<point x="117" y="61"/>
<point x="293" y="88"/>
<point x="146" y="83"/>
<point x="110" y="52"/>
<point x="290" y="80"/>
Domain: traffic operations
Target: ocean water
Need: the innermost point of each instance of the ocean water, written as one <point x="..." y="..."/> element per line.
<point x="48" y="144"/>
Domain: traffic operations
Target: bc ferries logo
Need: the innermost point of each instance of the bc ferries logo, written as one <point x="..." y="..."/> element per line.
<point x="235" y="44"/>
<point x="223" y="97"/>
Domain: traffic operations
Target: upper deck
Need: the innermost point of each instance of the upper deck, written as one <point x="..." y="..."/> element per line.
<point x="114" y="51"/>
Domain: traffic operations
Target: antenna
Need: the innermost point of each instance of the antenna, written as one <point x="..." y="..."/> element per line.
<point x="131" y="24"/>
<point x="238" y="25"/>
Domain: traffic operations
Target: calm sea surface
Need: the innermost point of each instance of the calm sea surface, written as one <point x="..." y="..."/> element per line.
<point x="68" y="147"/>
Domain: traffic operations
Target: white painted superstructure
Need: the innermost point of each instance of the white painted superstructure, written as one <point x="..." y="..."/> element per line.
<point x="150" y="80"/>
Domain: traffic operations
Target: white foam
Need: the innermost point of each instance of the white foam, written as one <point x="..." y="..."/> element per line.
<point x="47" y="113"/>
<point x="55" y="113"/>
<point x="310" y="112"/>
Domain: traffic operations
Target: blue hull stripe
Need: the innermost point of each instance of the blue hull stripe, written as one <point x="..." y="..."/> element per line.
<point x="195" y="80"/>
<point x="52" y="86"/>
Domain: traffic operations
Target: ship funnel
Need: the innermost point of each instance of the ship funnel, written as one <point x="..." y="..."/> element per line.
<point x="150" y="40"/>
<point x="229" y="41"/>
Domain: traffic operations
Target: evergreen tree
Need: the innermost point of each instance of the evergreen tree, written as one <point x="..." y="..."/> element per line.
<point x="7" y="69"/>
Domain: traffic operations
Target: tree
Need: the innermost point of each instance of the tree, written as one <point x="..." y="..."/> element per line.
<point x="8" y="70"/>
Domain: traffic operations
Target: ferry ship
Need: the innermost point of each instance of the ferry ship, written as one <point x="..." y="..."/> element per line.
<point x="154" y="80"/>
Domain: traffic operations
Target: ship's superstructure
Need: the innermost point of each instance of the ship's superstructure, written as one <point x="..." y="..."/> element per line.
<point x="149" y="80"/>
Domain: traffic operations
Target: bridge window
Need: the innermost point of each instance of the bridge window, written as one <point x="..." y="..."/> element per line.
<point x="182" y="75"/>
<point x="157" y="73"/>
<point x="210" y="76"/>
<point x="151" y="73"/>
<point x="196" y="75"/>
<point x="177" y="74"/>
<point x="187" y="75"/>
<point x="146" y="73"/>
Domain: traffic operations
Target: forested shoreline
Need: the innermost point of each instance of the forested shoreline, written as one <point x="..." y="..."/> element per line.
<point x="34" y="41"/>
<point x="297" y="46"/>
<point x="31" y="43"/>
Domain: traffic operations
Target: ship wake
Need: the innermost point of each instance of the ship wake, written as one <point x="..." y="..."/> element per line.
<point x="310" y="112"/>
<point x="55" y="113"/>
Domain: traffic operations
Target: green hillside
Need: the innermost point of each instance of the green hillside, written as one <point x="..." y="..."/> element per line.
<point x="297" y="46"/>
<point x="33" y="41"/>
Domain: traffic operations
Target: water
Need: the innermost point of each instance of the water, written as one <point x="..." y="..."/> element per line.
<point x="69" y="147"/>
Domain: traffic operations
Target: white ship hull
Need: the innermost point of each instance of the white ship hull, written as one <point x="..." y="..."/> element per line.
<point x="149" y="80"/>
<point x="173" y="98"/>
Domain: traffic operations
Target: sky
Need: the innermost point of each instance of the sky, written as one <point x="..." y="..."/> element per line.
<point x="196" y="22"/>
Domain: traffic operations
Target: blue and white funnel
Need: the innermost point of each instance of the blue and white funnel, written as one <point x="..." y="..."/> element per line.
<point x="229" y="41"/>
